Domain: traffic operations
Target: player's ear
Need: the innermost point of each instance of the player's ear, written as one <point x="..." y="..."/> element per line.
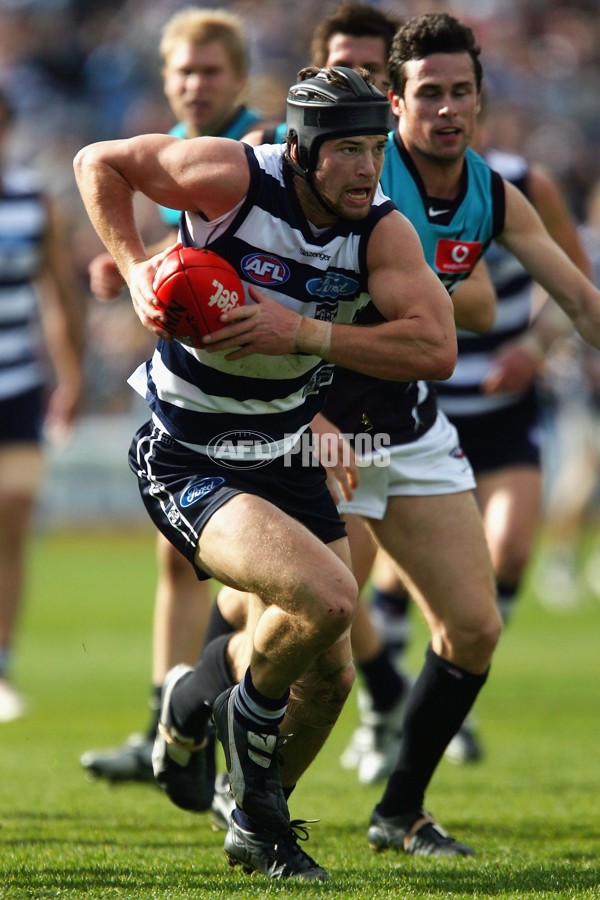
<point x="395" y="102"/>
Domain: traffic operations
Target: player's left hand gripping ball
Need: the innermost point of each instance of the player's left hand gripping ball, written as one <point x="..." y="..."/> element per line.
<point x="196" y="287"/>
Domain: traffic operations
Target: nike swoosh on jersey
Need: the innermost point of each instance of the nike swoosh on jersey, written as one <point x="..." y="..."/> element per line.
<point x="432" y="213"/>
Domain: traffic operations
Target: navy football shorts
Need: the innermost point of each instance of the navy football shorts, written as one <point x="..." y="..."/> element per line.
<point x="181" y="489"/>
<point x="503" y="438"/>
<point x="22" y="417"/>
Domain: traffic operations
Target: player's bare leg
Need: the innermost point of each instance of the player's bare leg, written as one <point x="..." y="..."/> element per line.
<point x="305" y="612"/>
<point x="510" y="502"/>
<point x="456" y="593"/>
<point x="309" y="606"/>
<point x="181" y="610"/>
<point x="21" y="469"/>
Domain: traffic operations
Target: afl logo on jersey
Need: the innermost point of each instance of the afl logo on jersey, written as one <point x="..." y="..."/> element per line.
<point x="456" y="257"/>
<point x="265" y="269"/>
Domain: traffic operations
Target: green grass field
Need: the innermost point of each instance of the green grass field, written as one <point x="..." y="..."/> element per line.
<point x="531" y="808"/>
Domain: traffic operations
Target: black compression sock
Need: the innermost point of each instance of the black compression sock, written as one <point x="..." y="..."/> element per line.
<point x="391" y="615"/>
<point x="209" y="679"/>
<point x="382" y="681"/>
<point x="440" y="699"/>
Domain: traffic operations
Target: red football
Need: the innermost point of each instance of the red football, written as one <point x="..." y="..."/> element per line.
<point x="196" y="287"/>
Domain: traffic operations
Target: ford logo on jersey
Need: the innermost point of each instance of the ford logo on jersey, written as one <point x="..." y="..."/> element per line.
<point x="265" y="269"/>
<point x="200" y="489"/>
<point x="332" y="284"/>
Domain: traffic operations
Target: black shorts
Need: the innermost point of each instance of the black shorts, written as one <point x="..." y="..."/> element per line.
<point x="506" y="437"/>
<point x="182" y="489"/>
<point x="22" y="417"/>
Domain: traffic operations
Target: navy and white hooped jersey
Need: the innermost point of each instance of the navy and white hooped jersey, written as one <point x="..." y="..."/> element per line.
<point x="198" y="396"/>
<point x="454" y="234"/>
<point x="244" y="121"/>
<point x="23" y="222"/>
<point x="461" y="394"/>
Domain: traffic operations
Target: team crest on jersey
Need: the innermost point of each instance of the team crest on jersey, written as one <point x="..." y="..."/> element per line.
<point x="200" y="489"/>
<point x="322" y="377"/>
<point x="456" y="257"/>
<point x="459" y="455"/>
<point x="332" y="284"/>
<point x="265" y="269"/>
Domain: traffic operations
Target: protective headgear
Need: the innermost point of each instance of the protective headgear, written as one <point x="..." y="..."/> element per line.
<point x="319" y="110"/>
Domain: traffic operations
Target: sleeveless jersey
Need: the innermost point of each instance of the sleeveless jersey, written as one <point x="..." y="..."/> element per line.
<point x="199" y="396"/>
<point x="454" y="235"/>
<point x="461" y="395"/>
<point x="23" y="222"/>
<point x="243" y="122"/>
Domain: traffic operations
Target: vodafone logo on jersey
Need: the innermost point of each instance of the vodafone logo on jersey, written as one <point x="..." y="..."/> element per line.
<point x="454" y="257"/>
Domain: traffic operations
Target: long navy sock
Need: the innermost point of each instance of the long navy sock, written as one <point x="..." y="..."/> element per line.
<point x="217" y="625"/>
<point x="210" y="678"/>
<point x="383" y="682"/>
<point x="440" y="699"/>
<point x="255" y="711"/>
<point x="391" y="615"/>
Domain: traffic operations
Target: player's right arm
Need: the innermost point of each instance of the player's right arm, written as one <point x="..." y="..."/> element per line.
<point x="526" y="236"/>
<point x="207" y="175"/>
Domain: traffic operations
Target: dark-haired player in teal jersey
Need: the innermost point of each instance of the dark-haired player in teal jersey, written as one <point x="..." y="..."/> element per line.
<point x="435" y="84"/>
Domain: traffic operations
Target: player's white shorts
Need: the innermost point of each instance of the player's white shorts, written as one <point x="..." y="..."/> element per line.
<point x="433" y="464"/>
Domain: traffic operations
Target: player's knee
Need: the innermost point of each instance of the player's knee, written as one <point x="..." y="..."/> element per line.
<point x="489" y="631"/>
<point x="336" y="608"/>
<point x="471" y="641"/>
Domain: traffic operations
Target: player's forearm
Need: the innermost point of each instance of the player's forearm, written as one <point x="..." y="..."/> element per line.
<point x="586" y="318"/>
<point x="404" y="350"/>
<point x="579" y="299"/>
<point x="550" y="325"/>
<point x="108" y="199"/>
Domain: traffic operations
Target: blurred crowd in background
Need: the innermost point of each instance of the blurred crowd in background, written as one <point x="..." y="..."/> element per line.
<point x="78" y="71"/>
